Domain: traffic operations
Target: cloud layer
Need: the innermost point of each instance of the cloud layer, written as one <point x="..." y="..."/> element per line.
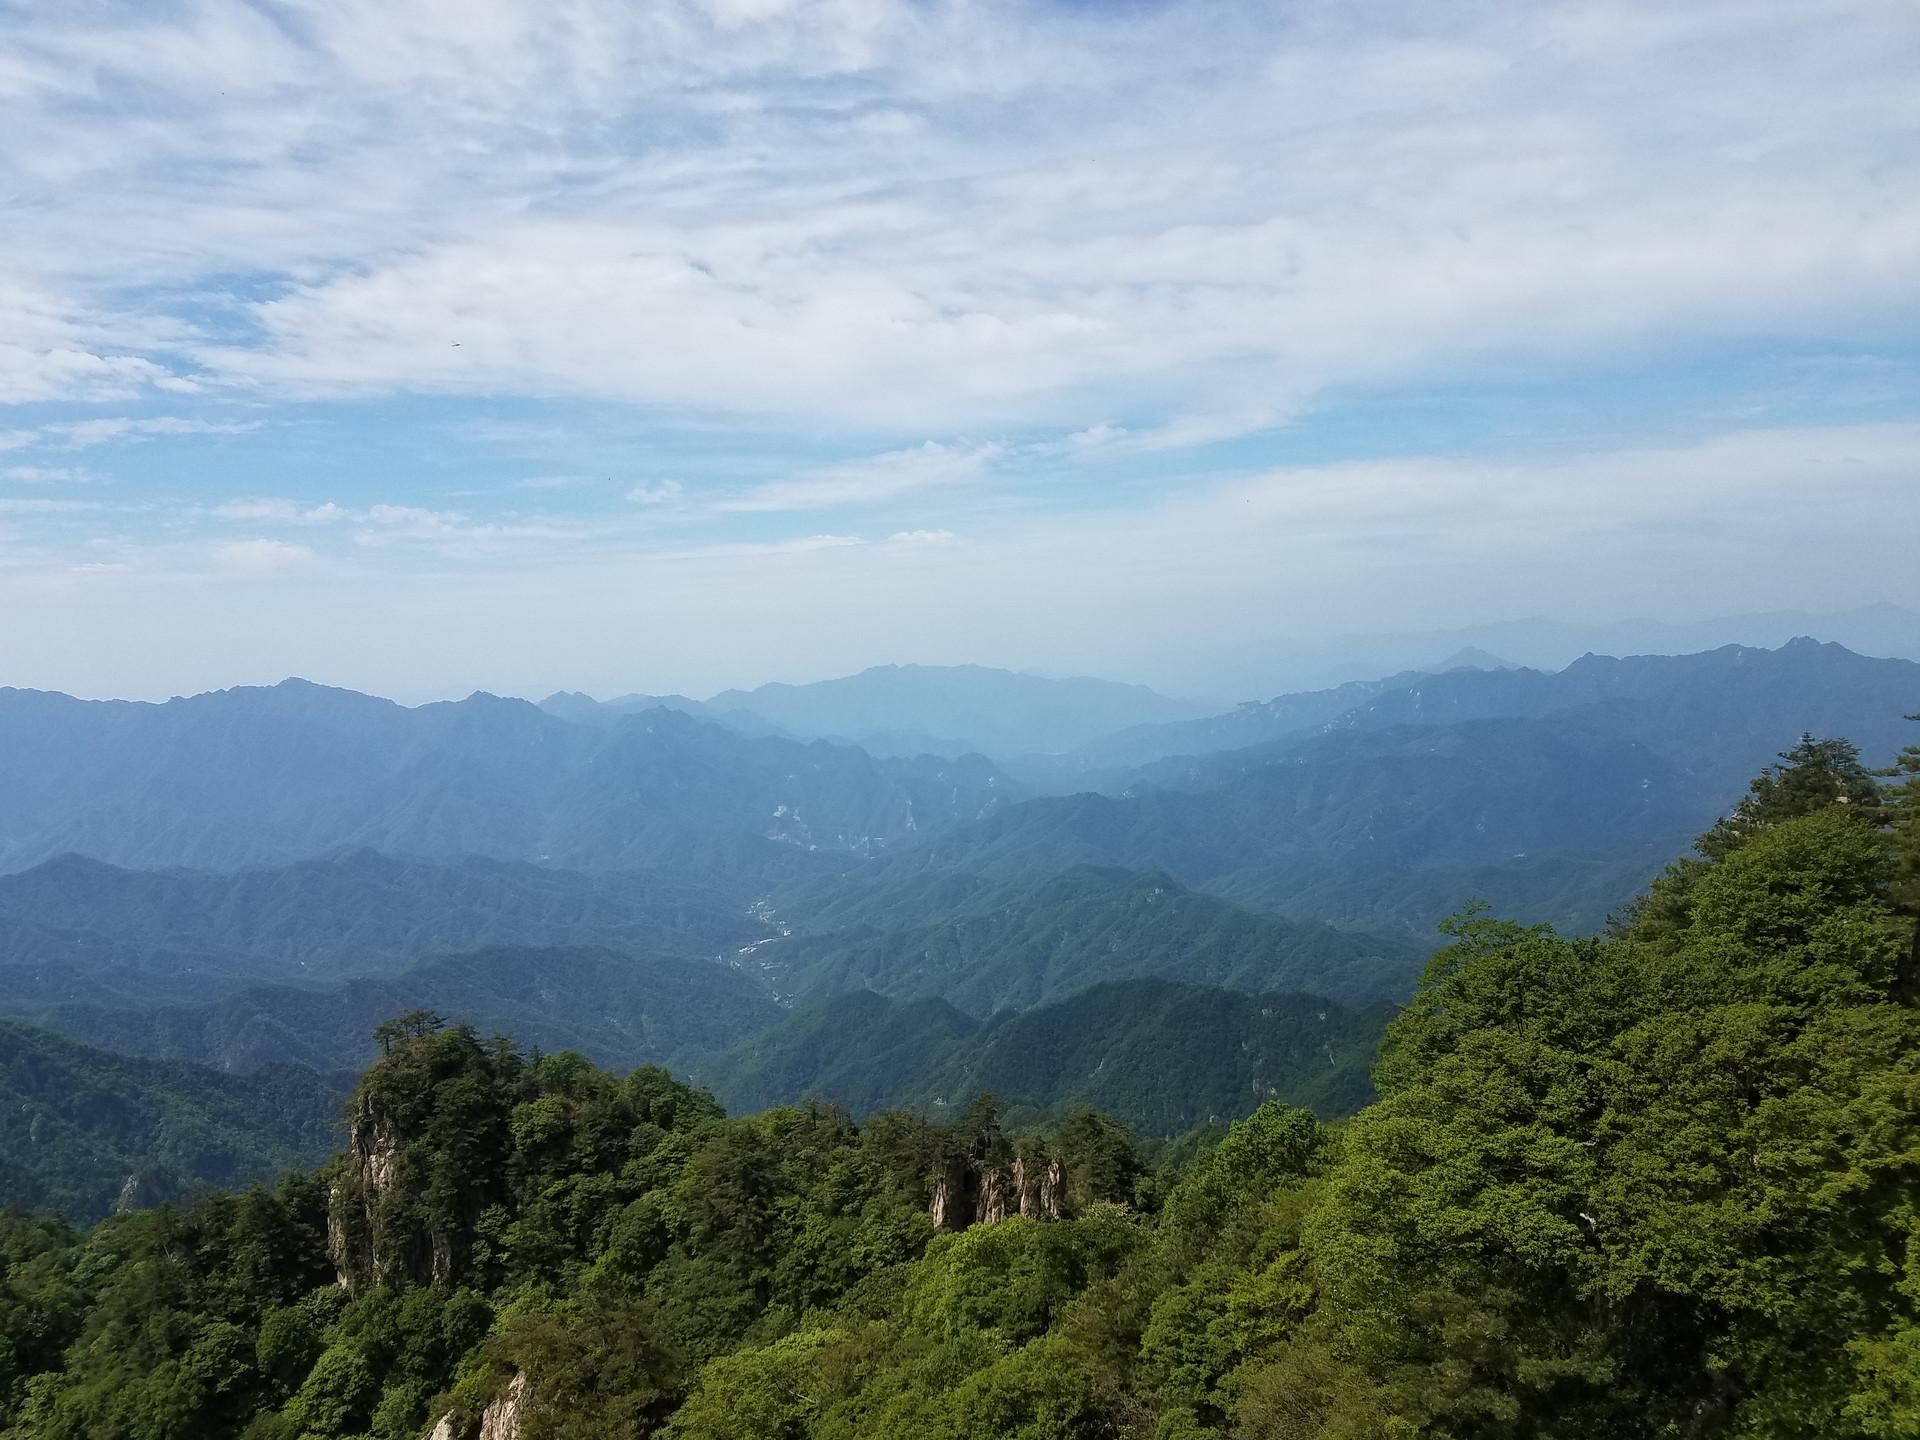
<point x="916" y="217"/>
<point x="713" y="298"/>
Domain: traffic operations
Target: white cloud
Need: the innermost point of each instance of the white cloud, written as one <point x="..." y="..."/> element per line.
<point x="54" y="347"/>
<point x="262" y="558"/>
<point x="32" y="505"/>
<point x="45" y="474"/>
<point x="1104" y="441"/>
<point x="916" y="218"/>
<point x="1085" y="233"/>
<point x="286" y="512"/>
<point x="81" y="434"/>
<point x="887" y="476"/>
<point x="410" y="522"/>
<point x="917" y="539"/>
<point x="455" y="535"/>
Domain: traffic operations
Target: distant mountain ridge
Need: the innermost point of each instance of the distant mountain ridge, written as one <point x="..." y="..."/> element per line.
<point x="1726" y="711"/>
<point x="1554" y="796"/>
<point x="1830" y="687"/>
<point x="1105" y="761"/>
<point x="1310" y="663"/>
<point x="615" y="1006"/>
<point x="954" y="709"/>
<point x="263" y="776"/>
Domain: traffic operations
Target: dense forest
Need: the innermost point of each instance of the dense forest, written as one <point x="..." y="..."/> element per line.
<point x="1655" y="1182"/>
<point x="84" y="1132"/>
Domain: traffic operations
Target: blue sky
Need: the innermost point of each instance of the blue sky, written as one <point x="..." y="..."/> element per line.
<point x="423" y="345"/>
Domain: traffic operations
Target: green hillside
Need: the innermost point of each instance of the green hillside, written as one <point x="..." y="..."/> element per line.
<point x="83" y="1132"/>
<point x="1161" y="1057"/>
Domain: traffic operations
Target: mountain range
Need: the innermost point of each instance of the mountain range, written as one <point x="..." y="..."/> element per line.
<point x="904" y="710"/>
<point x="256" y="878"/>
<point x="261" y="776"/>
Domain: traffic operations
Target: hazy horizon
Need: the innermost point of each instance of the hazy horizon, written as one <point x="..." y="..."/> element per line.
<point x="1305" y="664"/>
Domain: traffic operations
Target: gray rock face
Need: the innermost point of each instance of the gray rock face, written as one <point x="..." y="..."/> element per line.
<point x="1040" y="1190"/>
<point x="505" y="1415"/>
<point x="362" y="1251"/>
<point x="985" y="1189"/>
<point x="504" y="1418"/>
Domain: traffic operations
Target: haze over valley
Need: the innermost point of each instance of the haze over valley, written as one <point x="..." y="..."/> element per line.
<point x="253" y="878"/>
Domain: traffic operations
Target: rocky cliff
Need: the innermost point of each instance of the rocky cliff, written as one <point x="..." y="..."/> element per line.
<point x="504" y="1418"/>
<point x="377" y="1232"/>
<point x="985" y="1184"/>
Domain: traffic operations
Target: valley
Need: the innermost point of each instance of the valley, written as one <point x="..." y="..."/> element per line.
<point x="251" y="880"/>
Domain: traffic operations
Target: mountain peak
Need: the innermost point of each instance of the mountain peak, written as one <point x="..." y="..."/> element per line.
<point x="1472" y="657"/>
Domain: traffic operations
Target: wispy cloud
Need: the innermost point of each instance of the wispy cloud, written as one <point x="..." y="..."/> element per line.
<point x="483" y="275"/>
<point x="34" y="505"/>
<point x="887" y="476"/>
<point x="263" y="557"/>
<point x="929" y="215"/>
<point x="657" y="492"/>
<point x="46" y="474"/>
<point x="284" y="512"/>
<point x="81" y="434"/>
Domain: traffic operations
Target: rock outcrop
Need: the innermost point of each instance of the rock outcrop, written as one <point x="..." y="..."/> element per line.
<point x="1042" y="1188"/>
<point x="506" y="1414"/>
<point x="142" y="1190"/>
<point x="505" y="1417"/>
<point x="365" y="1245"/>
<point x="983" y="1188"/>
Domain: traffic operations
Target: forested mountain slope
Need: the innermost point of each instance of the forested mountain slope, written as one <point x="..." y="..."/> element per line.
<point x="351" y="914"/>
<point x="1551" y="795"/>
<point x="1648" y="1185"/>
<point x="621" y="1007"/>
<point x="83" y="1132"/>
<point x="1161" y="1057"/>
<point x="988" y="946"/>
<point x="1422" y="818"/>
<point x="1108" y="759"/>
<point x="1720" y="714"/>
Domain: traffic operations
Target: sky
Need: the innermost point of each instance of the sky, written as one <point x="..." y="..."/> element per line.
<point x="431" y="345"/>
